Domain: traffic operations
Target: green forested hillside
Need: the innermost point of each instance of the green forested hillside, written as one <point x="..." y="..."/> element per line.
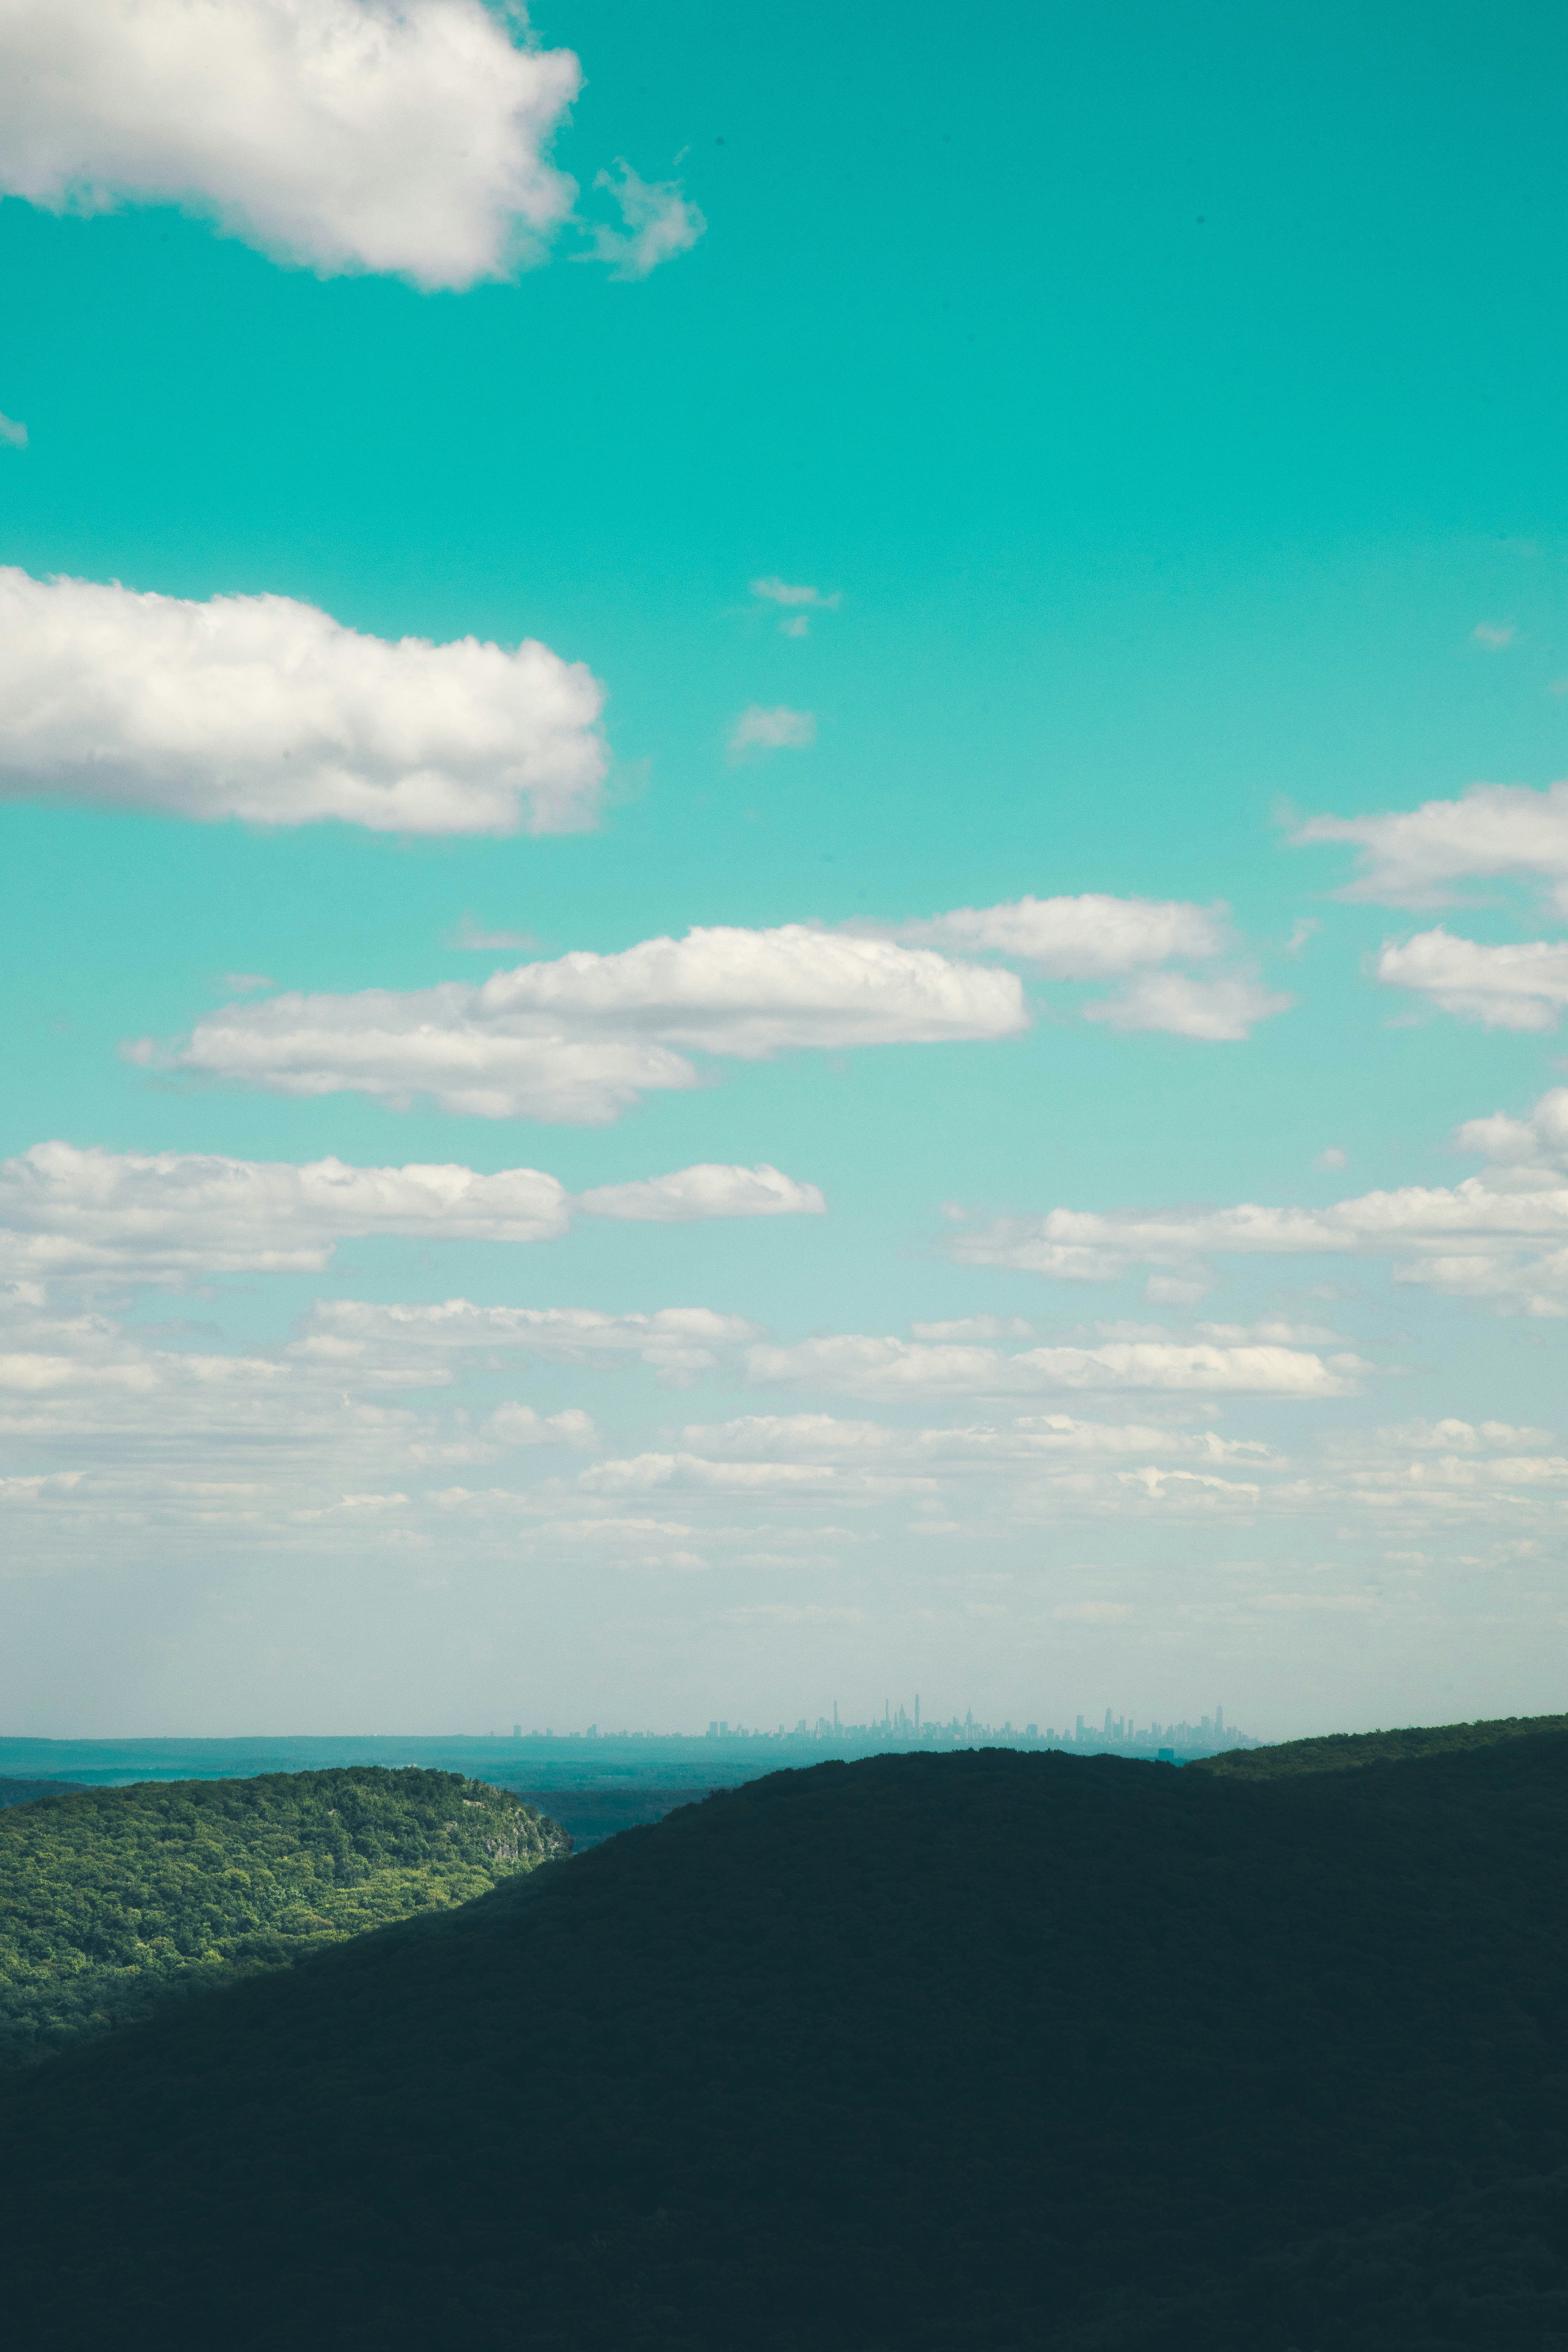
<point x="983" y="2053"/>
<point x="113" y="1900"/>
<point x="1338" y="1751"/>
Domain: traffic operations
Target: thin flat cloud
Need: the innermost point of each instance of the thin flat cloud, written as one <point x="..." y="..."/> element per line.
<point x="12" y="433"/>
<point x="580" y="1039"/>
<point x="781" y="729"/>
<point x="1423" y="856"/>
<point x="1519" y="985"/>
<point x="1095" y="937"/>
<point x="267" y="709"/>
<point x="800" y="601"/>
<point x="172" y="1217"/>
<point x="864" y="1366"/>
<point x="1499" y="1237"/>
<point x="341" y="134"/>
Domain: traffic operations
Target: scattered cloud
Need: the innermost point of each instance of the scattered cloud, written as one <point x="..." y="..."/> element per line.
<point x="341" y="135"/>
<point x="246" y="984"/>
<point x="1416" y="858"/>
<point x="706" y="1191"/>
<point x="1330" y="1160"/>
<point x="1215" y="1011"/>
<point x="676" y="1340"/>
<point x="173" y="1218"/>
<point x="772" y="730"/>
<point x="803" y="601"/>
<point x="857" y="1365"/>
<point x="658" y="224"/>
<point x="263" y="708"/>
<point x="12" y="434"/>
<point x="1092" y="1613"/>
<point x="519" y="1425"/>
<point x="1095" y="937"/>
<point x="1494" y="635"/>
<point x="578" y="1039"/>
<point x="469" y="934"/>
<point x="1088" y="938"/>
<point x="1521" y="985"/>
<point x="783" y="591"/>
<point x="1502" y="1238"/>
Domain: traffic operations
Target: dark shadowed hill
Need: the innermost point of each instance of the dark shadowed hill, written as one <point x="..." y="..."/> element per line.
<point x="1338" y="1751"/>
<point x="113" y="1901"/>
<point x="960" y="2054"/>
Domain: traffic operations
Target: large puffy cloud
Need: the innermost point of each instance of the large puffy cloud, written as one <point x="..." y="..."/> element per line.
<point x="269" y="711"/>
<point x="1098" y="938"/>
<point x="1519" y="985"/>
<point x="580" y="1038"/>
<point x="399" y="135"/>
<point x="1416" y="858"/>
<point x="170" y="1217"/>
<point x="1483" y="1237"/>
<point x="857" y="1365"/>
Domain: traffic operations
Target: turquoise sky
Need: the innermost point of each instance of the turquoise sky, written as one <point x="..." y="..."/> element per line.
<point x="1173" y="405"/>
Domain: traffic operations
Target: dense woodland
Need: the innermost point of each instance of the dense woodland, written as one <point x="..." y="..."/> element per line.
<point x="115" y="1900"/>
<point x="953" y="2054"/>
<point x="1338" y="1751"/>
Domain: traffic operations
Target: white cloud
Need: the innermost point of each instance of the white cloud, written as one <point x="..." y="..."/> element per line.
<point x="1330" y="1160"/>
<point x="408" y="136"/>
<point x="706" y="1191"/>
<point x="1092" y="1613"/>
<point x="1415" y="857"/>
<point x="519" y="1425"/>
<point x="857" y="1365"/>
<point x="1481" y="1238"/>
<point x="1216" y="1012"/>
<point x="644" y="1472"/>
<point x="246" y="984"/>
<point x="1494" y="635"/>
<point x="580" y="1038"/>
<point x="12" y="434"/>
<point x="783" y="591"/>
<point x="782" y="729"/>
<point x="674" y="1341"/>
<point x="1520" y="986"/>
<point x="1089" y="938"/>
<point x="469" y="934"/>
<point x="1094" y="937"/>
<point x="1540" y="1141"/>
<point x="800" y="601"/>
<point x="172" y="1217"/>
<point x="658" y="220"/>
<point x="267" y="709"/>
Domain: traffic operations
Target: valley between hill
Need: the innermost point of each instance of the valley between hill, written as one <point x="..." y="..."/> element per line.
<point x="958" y="2054"/>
